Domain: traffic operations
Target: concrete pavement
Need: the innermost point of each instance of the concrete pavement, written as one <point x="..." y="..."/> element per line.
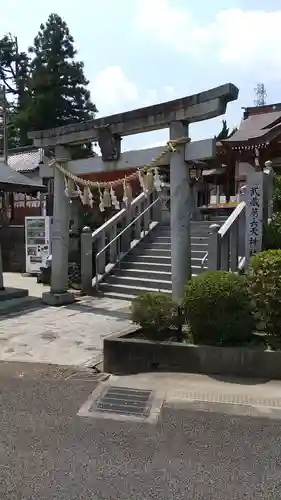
<point x="232" y="395"/>
<point x="17" y="280"/>
<point x="69" y="335"/>
<point x="47" y="452"/>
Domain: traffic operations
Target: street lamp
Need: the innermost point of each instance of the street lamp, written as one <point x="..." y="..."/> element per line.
<point x="196" y="172"/>
<point x="5" y="151"/>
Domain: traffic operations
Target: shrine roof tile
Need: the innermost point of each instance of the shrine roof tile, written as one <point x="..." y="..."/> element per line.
<point x="27" y="161"/>
<point x="256" y="126"/>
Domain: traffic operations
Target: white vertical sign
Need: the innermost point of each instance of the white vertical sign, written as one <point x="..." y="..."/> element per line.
<point x="254" y="214"/>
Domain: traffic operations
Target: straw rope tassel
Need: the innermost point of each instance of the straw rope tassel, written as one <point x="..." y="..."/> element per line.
<point x="170" y="147"/>
<point x="101" y="204"/>
<point x="66" y="191"/>
<point x="149" y="180"/>
<point x="125" y="199"/>
<point x="129" y="192"/>
<point x="90" y="198"/>
<point x="106" y="198"/>
<point x="114" y="200"/>
<point x="140" y="176"/>
<point x="80" y="193"/>
<point x="85" y="196"/>
<point x="157" y="180"/>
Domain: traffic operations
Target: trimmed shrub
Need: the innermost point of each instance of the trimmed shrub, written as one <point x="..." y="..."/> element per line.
<point x="156" y="313"/>
<point x="264" y="279"/>
<point x="218" y="309"/>
<point x="277" y="194"/>
<point x="273" y="233"/>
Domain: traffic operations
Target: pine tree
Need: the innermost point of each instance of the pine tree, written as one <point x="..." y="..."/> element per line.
<point x="58" y="87"/>
<point x="224" y="133"/>
<point x="14" y="73"/>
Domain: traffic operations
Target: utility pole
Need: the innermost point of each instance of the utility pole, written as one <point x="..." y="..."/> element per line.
<point x="3" y="115"/>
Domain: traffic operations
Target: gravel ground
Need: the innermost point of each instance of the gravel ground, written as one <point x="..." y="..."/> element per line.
<point x="48" y="453"/>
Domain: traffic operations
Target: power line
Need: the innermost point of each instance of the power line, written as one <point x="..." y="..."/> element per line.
<point x="261" y="95"/>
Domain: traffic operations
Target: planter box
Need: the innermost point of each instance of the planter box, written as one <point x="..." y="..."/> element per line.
<point x="124" y="354"/>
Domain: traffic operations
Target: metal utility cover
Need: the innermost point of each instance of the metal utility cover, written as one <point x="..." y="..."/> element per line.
<point x="136" y="402"/>
<point x="122" y="403"/>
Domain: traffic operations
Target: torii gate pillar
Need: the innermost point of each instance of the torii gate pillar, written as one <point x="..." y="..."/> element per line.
<point x="59" y="294"/>
<point x="180" y="213"/>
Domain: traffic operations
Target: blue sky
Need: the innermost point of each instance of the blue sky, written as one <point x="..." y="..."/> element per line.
<point x="140" y="52"/>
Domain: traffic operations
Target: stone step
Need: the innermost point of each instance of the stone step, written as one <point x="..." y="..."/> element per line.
<point x="196" y="233"/>
<point x="129" y="291"/>
<point x="133" y="282"/>
<point x="167" y="239"/>
<point x="195" y="247"/>
<point x="156" y="251"/>
<point x="136" y="272"/>
<point x="195" y="227"/>
<point x="151" y="273"/>
<point x="111" y="294"/>
<point x="154" y="259"/>
<point x="194" y="240"/>
<point x="131" y="288"/>
<point x="146" y="266"/>
<point x="165" y="252"/>
<point x="155" y="245"/>
<point x="199" y="247"/>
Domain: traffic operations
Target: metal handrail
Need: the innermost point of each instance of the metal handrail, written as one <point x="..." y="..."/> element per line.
<point x="231" y="219"/>
<point x="118" y="236"/>
<point x="204" y="258"/>
<point x="118" y="216"/>
<point x="241" y="263"/>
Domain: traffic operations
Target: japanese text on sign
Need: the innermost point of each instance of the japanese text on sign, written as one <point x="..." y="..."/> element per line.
<point x="254" y="219"/>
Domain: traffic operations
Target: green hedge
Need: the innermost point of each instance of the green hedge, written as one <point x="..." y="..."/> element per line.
<point x="264" y="279"/>
<point x="277" y="194"/>
<point x="218" y="309"/>
<point x="273" y="233"/>
<point x="157" y="314"/>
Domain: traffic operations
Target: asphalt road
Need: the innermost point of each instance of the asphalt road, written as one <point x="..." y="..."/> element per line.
<point x="48" y="453"/>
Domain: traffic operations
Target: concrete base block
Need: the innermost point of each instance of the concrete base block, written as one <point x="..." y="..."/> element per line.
<point x="127" y="354"/>
<point x="58" y="299"/>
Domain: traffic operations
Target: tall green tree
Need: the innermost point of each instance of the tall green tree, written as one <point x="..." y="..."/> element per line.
<point x="14" y="75"/>
<point x="58" y="86"/>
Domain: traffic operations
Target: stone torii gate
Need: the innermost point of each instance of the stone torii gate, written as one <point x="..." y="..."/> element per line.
<point x="108" y="131"/>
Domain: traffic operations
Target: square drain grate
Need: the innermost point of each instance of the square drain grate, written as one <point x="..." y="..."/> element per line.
<point x="124" y="401"/>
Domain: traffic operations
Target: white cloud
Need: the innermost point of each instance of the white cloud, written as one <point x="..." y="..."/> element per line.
<point x="247" y="39"/>
<point x="112" y="89"/>
<point x="168" y="24"/>
<point x="114" y="92"/>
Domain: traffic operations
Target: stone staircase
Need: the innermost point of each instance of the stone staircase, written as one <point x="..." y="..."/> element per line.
<point x="147" y="267"/>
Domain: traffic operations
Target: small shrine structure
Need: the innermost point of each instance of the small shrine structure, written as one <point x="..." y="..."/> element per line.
<point x="11" y="182"/>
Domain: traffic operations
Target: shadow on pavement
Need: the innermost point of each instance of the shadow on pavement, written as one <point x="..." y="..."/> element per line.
<point x="238" y="380"/>
<point x="103" y="311"/>
<point x="32" y="304"/>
